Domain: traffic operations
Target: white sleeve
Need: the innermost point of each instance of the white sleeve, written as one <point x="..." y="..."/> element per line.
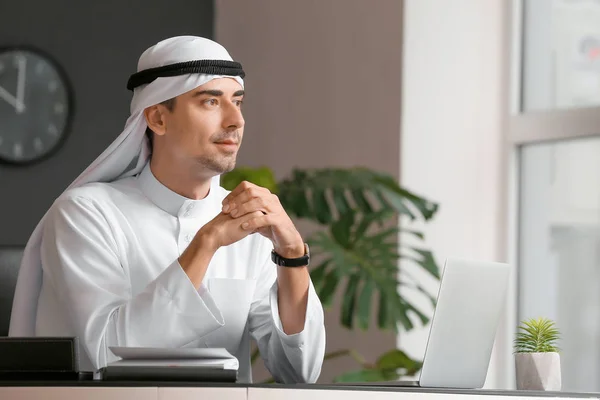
<point x="296" y="358"/>
<point x="81" y="263"/>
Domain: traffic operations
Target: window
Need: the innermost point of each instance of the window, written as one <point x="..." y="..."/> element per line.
<point x="555" y="132"/>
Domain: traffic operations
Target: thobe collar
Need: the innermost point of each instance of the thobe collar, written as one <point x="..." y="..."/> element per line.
<point x="171" y="202"/>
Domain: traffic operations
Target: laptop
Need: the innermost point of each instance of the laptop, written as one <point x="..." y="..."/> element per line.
<point x="470" y="302"/>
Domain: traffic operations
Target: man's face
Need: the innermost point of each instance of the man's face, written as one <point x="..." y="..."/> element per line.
<point x="205" y="127"/>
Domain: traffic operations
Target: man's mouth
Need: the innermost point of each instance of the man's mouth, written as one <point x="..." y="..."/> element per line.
<point x="228" y="142"/>
<point x="229" y="146"/>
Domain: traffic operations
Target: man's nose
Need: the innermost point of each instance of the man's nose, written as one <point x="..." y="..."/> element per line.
<point x="233" y="117"/>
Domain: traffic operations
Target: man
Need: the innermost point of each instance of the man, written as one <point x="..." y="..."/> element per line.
<point x="146" y="249"/>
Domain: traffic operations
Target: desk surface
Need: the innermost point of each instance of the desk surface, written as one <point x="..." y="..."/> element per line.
<point x="371" y="387"/>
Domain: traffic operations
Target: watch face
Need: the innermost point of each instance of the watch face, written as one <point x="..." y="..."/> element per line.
<point x="35" y="105"/>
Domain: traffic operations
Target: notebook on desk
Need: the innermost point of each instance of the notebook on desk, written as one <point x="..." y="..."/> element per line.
<point x="470" y="300"/>
<point x="176" y="364"/>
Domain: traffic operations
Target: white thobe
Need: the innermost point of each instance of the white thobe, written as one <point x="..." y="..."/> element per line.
<point x="111" y="277"/>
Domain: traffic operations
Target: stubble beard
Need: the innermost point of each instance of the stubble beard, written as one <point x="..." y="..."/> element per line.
<point x="219" y="164"/>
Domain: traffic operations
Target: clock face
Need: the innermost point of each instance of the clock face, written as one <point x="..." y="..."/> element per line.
<point x="35" y="105"/>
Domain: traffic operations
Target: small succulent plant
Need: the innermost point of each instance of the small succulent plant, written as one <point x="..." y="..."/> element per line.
<point x="537" y="335"/>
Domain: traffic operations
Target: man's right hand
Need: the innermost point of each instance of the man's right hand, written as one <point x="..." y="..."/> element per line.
<point x="222" y="230"/>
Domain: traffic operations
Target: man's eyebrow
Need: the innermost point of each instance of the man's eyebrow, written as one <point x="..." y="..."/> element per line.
<point x="209" y="92"/>
<point x="217" y="93"/>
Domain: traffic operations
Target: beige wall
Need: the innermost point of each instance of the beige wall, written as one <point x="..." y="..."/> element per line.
<point x="323" y="89"/>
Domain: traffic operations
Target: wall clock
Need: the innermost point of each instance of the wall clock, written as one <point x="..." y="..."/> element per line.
<point x="35" y="105"/>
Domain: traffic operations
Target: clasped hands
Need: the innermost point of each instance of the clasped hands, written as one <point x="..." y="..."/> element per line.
<point x="253" y="209"/>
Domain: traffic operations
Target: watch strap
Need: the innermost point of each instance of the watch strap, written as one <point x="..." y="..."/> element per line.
<point x="291" y="262"/>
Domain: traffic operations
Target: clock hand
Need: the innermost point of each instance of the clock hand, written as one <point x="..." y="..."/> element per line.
<point x="21" y="85"/>
<point x="10" y="99"/>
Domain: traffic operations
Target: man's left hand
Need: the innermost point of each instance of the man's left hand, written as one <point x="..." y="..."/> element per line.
<point x="274" y="224"/>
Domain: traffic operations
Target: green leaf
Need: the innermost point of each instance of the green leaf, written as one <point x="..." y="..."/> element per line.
<point x="262" y="176"/>
<point x="364" y="304"/>
<point x="426" y="260"/>
<point x="321" y="207"/>
<point x="426" y="208"/>
<point x="397" y="359"/>
<point x="397" y="202"/>
<point x="367" y="221"/>
<point x="392" y="359"/>
<point x="388" y="367"/>
<point x="413" y="233"/>
<point x="366" y="375"/>
<point x="385" y="235"/>
<point x="361" y="201"/>
<point x="340" y="201"/>
<point x="384" y="202"/>
<point x="295" y="200"/>
<point x="400" y="312"/>
<point x="327" y="291"/>
<point x="347" y="260"/>
<point x="341" y="229"/>
<point x="424" y="319"/>
<point x="373" y="257"/>
<point x="317" y="275"/>
<point x="349" y="302"/>
<point x="383" y="319"/>
<point x="432" y="299"/>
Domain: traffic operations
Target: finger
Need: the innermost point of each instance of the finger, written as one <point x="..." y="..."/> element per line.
<point x="237" y="190"/>
<point x="257" y="222"/>
<point x="244" y="219"/>
<point x="244" y="185"/>
<point x="249" y="193"/>
<point x="255" y="204"/>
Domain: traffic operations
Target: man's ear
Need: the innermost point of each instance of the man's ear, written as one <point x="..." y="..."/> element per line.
<point x="155" y="120"/>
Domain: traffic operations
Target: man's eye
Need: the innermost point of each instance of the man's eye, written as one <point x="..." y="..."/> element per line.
<point x="239" y="103"/>
<point x="211" y="102"/>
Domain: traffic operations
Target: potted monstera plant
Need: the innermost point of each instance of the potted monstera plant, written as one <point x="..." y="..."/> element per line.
<point x="356" y="211"/>
<point x="537" y="358"/>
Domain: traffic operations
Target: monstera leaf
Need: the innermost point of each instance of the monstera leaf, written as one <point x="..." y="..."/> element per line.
<point x="323" y="195"/>
<point x="365" y="262"/>
<point x="358" y="249"/>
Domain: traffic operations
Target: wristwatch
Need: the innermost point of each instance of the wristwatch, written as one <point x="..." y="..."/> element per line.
<point x="292" y="262"/>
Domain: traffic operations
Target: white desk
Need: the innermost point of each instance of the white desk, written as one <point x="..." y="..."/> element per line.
<point x="122" y="393"/>
<point x="97" y="391"/>
<point x="317" y="392"/>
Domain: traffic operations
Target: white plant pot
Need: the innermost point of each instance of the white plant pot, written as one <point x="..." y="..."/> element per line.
<point x="538" y="371"/>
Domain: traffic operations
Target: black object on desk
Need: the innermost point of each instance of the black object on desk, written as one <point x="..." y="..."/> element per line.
<point x="39" y="358"/>
<point x="166" y="373"/>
